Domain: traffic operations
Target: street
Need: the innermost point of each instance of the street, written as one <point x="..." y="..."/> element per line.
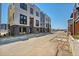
<point x="49" y="45"/>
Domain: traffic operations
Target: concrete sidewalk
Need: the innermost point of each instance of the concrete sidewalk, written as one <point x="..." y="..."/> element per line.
<point x="74" y="44"/>
<point x="76" y="48"/>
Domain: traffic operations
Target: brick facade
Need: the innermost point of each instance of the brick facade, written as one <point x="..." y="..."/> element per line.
<point x="77" y="28"/>
<point x="73" y="28"/>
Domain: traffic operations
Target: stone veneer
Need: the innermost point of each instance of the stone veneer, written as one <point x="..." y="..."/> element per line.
<point x="14" y="30"/>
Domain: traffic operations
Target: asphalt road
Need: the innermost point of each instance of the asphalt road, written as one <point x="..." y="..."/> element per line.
<point x="49" y="45"/>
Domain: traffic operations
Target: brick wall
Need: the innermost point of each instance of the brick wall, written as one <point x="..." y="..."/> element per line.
<point x="77" y="27"/>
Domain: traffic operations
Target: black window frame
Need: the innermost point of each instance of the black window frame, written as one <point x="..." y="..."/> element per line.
<point x="23" y="21"/>
<point x="37" y="22"/>
<point x="23" y="6"/>
<point x="20" y="29"/>
<point x="31" y="11"/>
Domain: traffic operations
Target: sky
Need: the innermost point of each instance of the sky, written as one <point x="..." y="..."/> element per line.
<point x="58" y="12"/>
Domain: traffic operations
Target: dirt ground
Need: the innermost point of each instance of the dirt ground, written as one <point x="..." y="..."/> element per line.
<point x="39" y="46"/>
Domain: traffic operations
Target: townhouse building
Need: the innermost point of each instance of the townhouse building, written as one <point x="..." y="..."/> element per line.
<point x="45" y="23"/>
<point x="42" y="22"/>
<point x="75" y="20"/>
<point x="27" y="18"/>
<point x="70" y="25"/>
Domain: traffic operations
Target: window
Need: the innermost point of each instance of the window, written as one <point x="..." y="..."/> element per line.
<point x="24" y="29"/>
<point x="47" y="25"/>
<point x="37" y="29"/>
<point x="37" y="14"/>
<point x="23" y="19"/>
<point x="21" y="16"/>
<point x="20" y="29"/>
<point x="50" y="25"/>
<point x="31" y="10"/>
<point x="41" y="19"/>
<point x="23" y="6"/>
<point x="37" y="22"/>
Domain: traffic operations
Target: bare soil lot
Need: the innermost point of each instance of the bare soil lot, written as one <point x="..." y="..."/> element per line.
<point x="39" y="46"/>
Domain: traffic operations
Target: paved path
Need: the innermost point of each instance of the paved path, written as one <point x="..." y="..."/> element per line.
<point x="74" y="44"/>
<point x="49" y="45"/>
<point x="76" y="47"/>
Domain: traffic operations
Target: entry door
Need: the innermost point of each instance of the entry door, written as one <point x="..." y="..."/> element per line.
<point x="31" y="24"/>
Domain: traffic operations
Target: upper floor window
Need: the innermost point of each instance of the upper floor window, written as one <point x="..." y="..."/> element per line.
<point x="50" y="25"/>
<point x="37" y="14"/>
<point x="37" y="22"/>
<point x="23" y="6"/>
<point x="23" y="19"/>
<point x="47" y="25"/>
<point x="31" y="10"/>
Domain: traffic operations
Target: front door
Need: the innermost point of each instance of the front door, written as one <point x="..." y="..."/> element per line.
<point x="31" y="24"/>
